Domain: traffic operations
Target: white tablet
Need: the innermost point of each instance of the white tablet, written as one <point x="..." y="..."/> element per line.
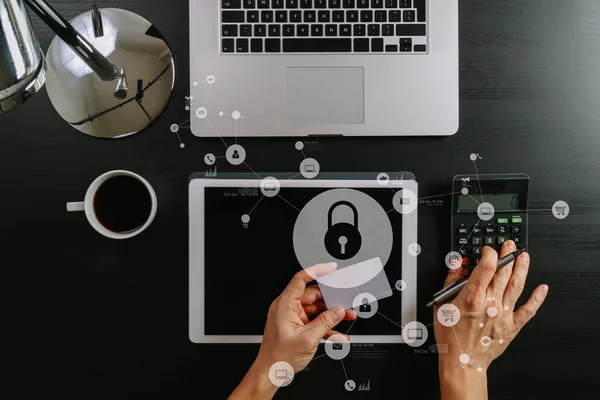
<point x="249" y="236"/>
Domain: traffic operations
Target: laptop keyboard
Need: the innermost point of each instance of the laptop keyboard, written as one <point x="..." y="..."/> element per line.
<point x="323" y="26"/>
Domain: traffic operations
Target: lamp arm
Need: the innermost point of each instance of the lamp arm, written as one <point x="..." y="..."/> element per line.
<point x="101" y="66"/>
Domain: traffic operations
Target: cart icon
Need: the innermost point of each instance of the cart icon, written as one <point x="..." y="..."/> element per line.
<point x="448" y="315"/>
<point x="560" y="210"/>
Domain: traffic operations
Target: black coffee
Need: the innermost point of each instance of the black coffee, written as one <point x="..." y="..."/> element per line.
<point x="122" y="204"/>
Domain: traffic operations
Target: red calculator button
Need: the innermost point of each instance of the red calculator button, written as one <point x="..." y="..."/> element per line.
<point x="465" y="262"/>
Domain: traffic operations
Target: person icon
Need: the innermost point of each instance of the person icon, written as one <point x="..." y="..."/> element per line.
<point x="365" y="306"/>
<point x="236" y="155"/>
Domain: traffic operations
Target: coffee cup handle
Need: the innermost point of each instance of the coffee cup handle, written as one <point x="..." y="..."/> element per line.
<point x="78" y="206"/>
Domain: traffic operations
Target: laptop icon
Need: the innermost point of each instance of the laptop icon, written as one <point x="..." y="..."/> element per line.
<point x="281" y="374"/>
<point x="415" y="334"/>
<point x="270" y="187"/>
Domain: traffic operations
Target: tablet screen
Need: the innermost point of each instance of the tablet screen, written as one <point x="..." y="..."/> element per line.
<point x="247" y="265"/>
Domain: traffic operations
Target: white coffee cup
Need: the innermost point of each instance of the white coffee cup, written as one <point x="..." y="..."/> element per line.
<point x="88" y="205"/>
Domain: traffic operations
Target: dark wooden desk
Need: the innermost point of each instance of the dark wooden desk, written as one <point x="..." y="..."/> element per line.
<point x="89" y="317"/>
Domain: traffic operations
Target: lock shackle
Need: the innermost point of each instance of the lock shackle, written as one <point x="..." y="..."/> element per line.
<point x="339" y="204"/>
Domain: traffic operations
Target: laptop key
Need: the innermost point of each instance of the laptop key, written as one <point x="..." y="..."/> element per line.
<point x="324" y="16"/>
<point x="337" y="16"/>
<point x="376" y="3"/>
<point x="266" y="16"/>
<point x="316" y="30"/>
<point x="302" y="30"/>
<point x="317" y="45"/>
<point x="253" y="16"/>
<point x="363" y="4"/>
<point x="346" y="30"/>
<point x="335" y="3"/>
<point x="410" y="29"/>
<point x="233" y="16"/>
<point x="241" y="45"/>
<point x="272" y="45"/>
<point x="405" y="3"/>
<point x="388" y="30"/>
<point x="277" y="3"/>
<point x="391" y="3"/>
<point x="228" y="45"/>
<point x="359" y="30"/>
<point x="420" y="48"/>
<point x="381" y="16"/>
<point x="249" y="3"/>
<point x="366" y="16"/>
<point x="295" y="16"/>
<point x="274" y="30"/>
<point x="391" y="48"/>
<point x="288" y="30"/>
<point x="377" y="45"/>
<point x="246" y="30"/>
<point x="231" y="3"/>
<point x="349" y="3"/>
<point x="260" y="30"/>
<point x="421" y="10"/>
<point x="310" y="16"/>
<point x="331" y="30"/>
<point x="320" y="3"/>
<point x="256" y="45"/>
<point x="229" y="30"/>
<point x="361" y="45"/>
<point x="373" y="30"/>
<point x="395" y="16"/>
<point x="291" y="4"/>
<point x="352" y="16"/>
<point x="281" y="16"/>
<point x="305" y="3"/>
<point x="264" y="4"/>
<point x="409" y="16"/>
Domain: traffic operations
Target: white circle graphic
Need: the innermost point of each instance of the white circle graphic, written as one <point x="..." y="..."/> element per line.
<point x="400" y="285"/>
<point x="270" y="187"/>
<point x="236" y="154"/>
<point x="464" y="191"/>
<point x="383" y="179"/>
<point x="310" y="168"/>
<point x="453" y="260"/>
<point x="473" y="157"/>
<point x="374" y="227"/>
<point x="492" y="312"/>
<point x="485" y="341"/>
<point x="350" y="385"/>
<point x="414" y="249"/>
<point x="485" y="211"/>
<point x="281" y="374"/>
<point x="174" y="128"/>
<point x="337" y="347"/>
<point x="501" y="341"/>
<point x="464" y="358"/>
<point x="448" y="315"/>
<point x="210" y="79"/>
<point x="405" y="201"/>
<point x="182" y="145"/>
<point x="299" y="145"/>
<point x="201" y="112"/>
<point x="560" y="209"/>
<point x="210" y="159"/>
<point x="414" y="334"/>
<point x="245" y="218"/>
<point x="365" y="305"/>
<point x="236" y="115"/>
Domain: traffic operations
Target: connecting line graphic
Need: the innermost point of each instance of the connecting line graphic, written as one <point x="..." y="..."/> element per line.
<point x="344" y="367"/>
<point x="477" y="174"/>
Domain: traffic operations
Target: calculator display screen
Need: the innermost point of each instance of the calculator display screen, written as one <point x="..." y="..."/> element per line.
<point x="500" y="201"/>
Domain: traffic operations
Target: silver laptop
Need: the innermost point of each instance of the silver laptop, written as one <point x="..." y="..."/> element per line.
<point x="324" y="67"/>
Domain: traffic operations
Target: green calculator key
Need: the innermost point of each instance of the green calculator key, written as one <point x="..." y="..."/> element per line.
<point x="517" y="220"/>
<point x="503" y="220"/>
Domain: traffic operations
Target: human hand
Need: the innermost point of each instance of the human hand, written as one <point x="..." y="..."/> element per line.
<point x="488" y="322"/>
<point x="289" y="334"/>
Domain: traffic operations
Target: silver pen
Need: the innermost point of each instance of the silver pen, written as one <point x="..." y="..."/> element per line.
<point x="451" y="291"/>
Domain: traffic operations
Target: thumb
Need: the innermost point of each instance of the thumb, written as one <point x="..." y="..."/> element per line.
<point x="326" y="321"/>
<point x="453" y="276"/>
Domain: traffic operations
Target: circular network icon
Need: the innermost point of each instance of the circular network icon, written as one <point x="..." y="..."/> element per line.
<point x="337" y="347"/>
<point x="245" y="218"/>
<point x="414" y="249"/>
<point x="174" y="128"/>
<point x="448" y="315"/>
<point x="365" y="305"/>
<point x="236" y="154"/>
<point x="414" y="334"/>
<point x="485" y="341"/>
<point x="350" y="385"/>
<point x="299" y="145"/>
<point x="453" y="260"/>
<point x="560" y="209"/>
<point x="405" y="201"/>
<point x="464" y="191"/>
<point x="270" y="187"/>
<point x="485" y="211"/>
<point x="310" y="168"/>
<point x="383" y="179"/>
<point x="210" y="159"/>
<point x="201" y="112"/>
<point x="281" y="374"/>
<point x="400" y="285"/>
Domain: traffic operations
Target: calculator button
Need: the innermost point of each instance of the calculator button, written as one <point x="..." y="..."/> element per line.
<point x="477" y="230"/>
<point x="465" y="262"/>
<point x="463" y="230"/>
<point x="476" y="241"/>
<point x="502" y="230"/>
<point x="474" y="262"/>
<point x="517" y="220"/>
<point x="462" y="241"/>
<point x="490" y="229"/>
<point x="517" y="239"/>
<point x="489" y="241"/>
<point x="466" y="271"/>
<point x="476" y="251"/>
<point x="515" y="229"/>
<point x="502" y="239"/>
<point x="462" y="252"/>
<point x="502" y="220"/>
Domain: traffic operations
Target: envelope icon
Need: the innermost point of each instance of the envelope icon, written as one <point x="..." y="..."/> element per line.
<point x="337" y="346"/>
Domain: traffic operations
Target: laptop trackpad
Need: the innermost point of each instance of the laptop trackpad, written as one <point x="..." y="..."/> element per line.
<point x="325" y="96"/>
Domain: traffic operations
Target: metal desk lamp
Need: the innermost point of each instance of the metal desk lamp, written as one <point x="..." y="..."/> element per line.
<point x="109" y="73"/>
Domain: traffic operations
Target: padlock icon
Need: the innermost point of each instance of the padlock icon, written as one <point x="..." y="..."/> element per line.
<point x="342" y="240"/>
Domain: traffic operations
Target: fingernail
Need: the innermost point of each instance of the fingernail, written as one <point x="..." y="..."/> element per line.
<point x="525" y="257"/>
<point x="509" y="244"/>
<point x="333" y="265"/>
<point x="544" y="289"/>
<point x="339" y="313"/>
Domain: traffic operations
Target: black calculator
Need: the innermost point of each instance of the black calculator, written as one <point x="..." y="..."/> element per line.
<point x="488" y="210"/>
